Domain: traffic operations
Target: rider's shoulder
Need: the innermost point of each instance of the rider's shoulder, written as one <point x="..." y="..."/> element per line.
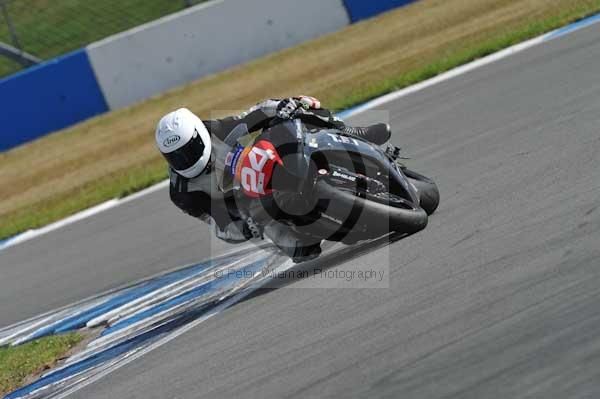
<point x="203" y="182"/>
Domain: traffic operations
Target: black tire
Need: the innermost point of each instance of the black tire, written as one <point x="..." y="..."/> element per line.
<point x="382" y="218"/>
<point x="429" y="194"/>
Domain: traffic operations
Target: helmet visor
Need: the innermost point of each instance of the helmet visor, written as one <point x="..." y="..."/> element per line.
<point x="185" y="157"/>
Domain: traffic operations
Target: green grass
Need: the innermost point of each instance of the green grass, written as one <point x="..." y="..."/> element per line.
<point x="48" y="28"/>
<point x="143" y="166"/>
<point x="18" y="363"/>
<point x="117" y="186"/>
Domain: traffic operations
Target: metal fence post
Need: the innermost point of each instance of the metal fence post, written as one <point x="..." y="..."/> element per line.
<point x="11" y="28"/>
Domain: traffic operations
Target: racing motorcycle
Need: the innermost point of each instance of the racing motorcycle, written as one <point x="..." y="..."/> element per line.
<point x="322" y="184"/>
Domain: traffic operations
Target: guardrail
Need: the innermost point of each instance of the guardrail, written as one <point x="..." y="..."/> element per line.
<point x="48" y="97"/>
<point x="363" y="9"/>
<point x="203" y="40"/>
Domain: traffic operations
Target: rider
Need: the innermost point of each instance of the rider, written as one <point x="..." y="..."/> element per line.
<point x="185" y="142"/>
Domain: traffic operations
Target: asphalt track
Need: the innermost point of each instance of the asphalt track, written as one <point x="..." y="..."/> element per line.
<point x="499" y="297"/>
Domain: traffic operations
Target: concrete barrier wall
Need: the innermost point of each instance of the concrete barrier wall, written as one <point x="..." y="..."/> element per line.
<point x="363" y="9"/>
<point x="48" y="97"/>
<point x="205" y="39"/>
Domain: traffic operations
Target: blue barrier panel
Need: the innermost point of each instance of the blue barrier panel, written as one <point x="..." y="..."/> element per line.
<point x="363" y="9"/>
<point x="48" y="97"/>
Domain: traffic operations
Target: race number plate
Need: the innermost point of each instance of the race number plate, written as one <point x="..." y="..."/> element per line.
<point x="254" y="168"/>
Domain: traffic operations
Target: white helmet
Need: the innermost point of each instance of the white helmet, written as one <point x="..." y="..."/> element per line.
<point x="184" y="141"/>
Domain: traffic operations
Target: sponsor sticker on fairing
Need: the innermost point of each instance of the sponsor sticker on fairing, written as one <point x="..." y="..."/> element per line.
<point x="343" y="176"/>
<point x="256" y="167"/>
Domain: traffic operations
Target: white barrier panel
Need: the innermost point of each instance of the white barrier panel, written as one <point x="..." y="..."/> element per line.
<point x="205" y="39"/>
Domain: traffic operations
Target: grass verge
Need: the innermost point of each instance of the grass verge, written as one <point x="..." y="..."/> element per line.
<point x="20" y="362"/>
<point x="114" y="154"/>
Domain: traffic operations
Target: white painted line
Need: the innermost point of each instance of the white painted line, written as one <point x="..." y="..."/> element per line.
<point x="103" y="342"/>
<point x="29" y="234"/>
<point x="150" y="299"/>
<point x="8" y="339"/>
<point x="152" y="189"/>
<point x="461" y="70"/>
<point x="58" y="313"/>
<point x="584" y="23"/>
<point x="58" y="319"/>
<point x="162" y="294"/>
<point x="144" y="325"/>
<point x="20" y="332"/>
<point x="177" y="333"/>
<point x="174" y="309"/>
<point x="153" y="299"/>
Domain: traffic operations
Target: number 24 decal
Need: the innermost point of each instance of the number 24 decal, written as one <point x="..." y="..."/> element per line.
<point x="253" y="178"/>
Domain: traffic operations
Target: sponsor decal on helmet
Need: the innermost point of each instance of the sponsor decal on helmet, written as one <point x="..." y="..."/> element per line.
<point x="171" y="141"/>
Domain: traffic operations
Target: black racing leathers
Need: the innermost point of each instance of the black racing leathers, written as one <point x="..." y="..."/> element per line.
<point x="201" y="198"/>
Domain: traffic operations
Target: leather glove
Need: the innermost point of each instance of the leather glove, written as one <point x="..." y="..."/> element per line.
<point x="308" y="102"/>
<point x="287" y="108"/>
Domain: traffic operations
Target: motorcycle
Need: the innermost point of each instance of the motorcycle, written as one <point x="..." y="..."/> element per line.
<point x="322" y="184"/>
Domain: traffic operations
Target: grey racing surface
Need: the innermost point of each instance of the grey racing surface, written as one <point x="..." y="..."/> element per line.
<point x="109" y="250"/>
<point x="498" y="297"/>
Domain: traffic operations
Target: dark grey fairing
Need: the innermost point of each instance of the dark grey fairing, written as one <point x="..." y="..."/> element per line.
<point x="364" y="157"/>
<point x="304" y="150"/>
<point x="336" y="181"/>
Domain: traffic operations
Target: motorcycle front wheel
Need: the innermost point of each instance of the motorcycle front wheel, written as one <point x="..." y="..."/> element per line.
<point x="429" y="194"/>
<point x="370" y="216"/>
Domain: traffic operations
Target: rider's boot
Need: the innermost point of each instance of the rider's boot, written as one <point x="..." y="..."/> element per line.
<point x="297" y="247"/>
<point x="378" y="134"/>
<point x="303" y="253"/>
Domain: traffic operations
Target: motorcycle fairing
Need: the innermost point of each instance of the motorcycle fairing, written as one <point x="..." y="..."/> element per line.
<point x="254" y="168"/>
